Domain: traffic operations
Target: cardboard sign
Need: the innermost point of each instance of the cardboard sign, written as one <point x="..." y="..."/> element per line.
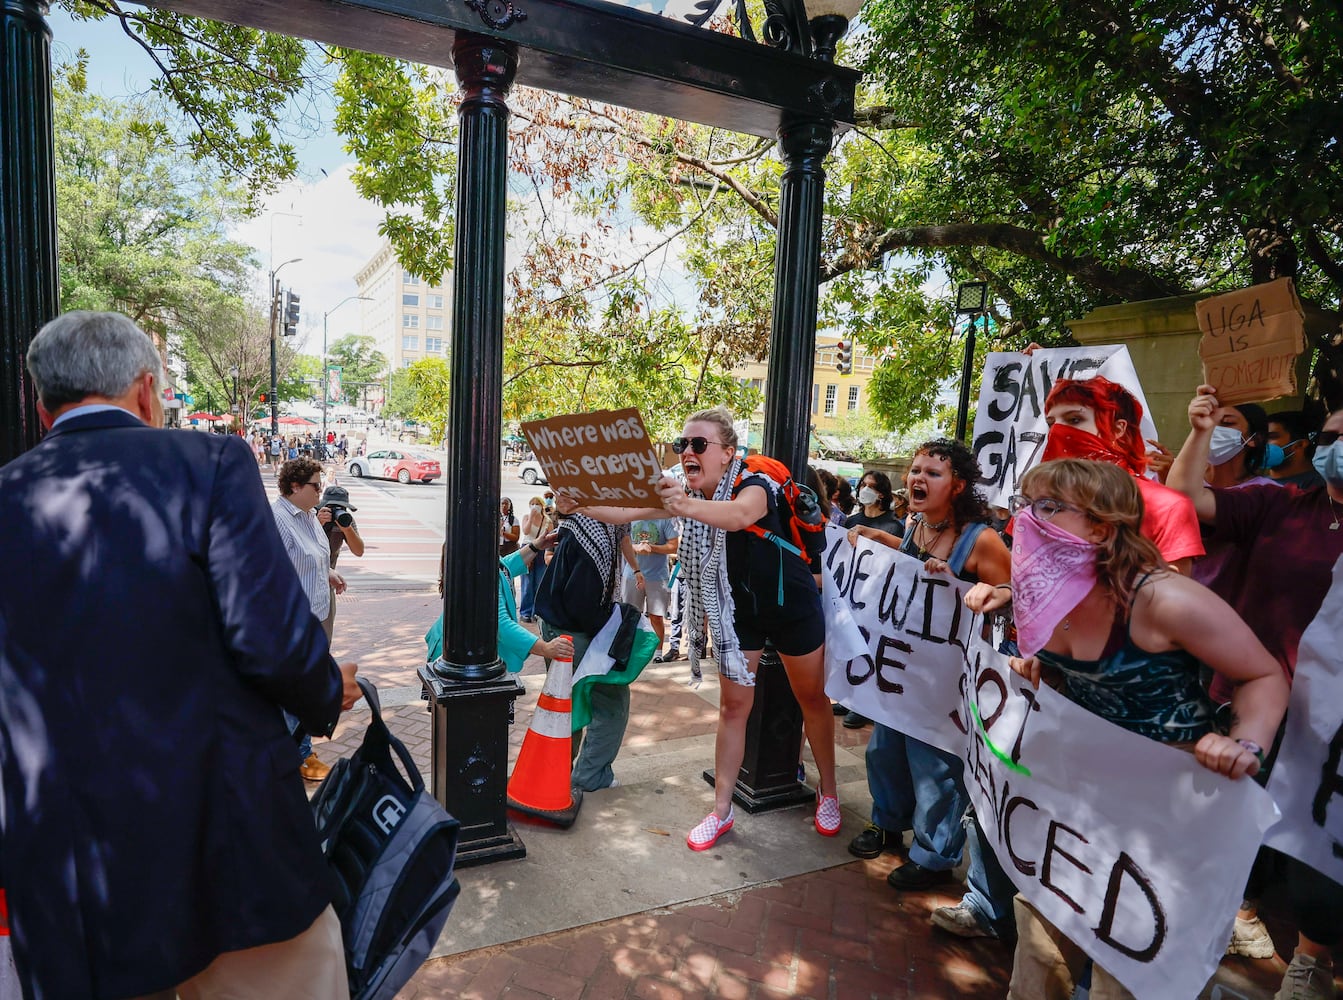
<point x="1010" y="427"/>
<point x="1251" y="340"/>
<point x="603" y="458"/>
<point x="1307" y="781"/>
<point x="1132" y="849"/>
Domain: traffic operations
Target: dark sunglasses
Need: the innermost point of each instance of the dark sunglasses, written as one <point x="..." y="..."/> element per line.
<point x="695" y="444"/>
<point x="1325" y="438"/>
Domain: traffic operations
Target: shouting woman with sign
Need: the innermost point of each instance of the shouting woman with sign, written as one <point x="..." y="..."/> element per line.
<point x="751" y="590"/>
<point x="1102" y="617"/>
<point x="915" y="786"/>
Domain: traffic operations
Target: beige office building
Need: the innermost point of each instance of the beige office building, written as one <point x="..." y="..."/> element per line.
<point x="407" y="316"/>
<point x="833" y="396"/>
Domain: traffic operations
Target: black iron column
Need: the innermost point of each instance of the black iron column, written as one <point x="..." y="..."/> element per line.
<point x="768" y="778"/>
<point x="29" y="273"/>
<point x="471" y="698"/>
<point x="803" y="145"/>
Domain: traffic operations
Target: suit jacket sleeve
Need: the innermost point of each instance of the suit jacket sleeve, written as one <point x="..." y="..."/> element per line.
<point x="276" y="642"/>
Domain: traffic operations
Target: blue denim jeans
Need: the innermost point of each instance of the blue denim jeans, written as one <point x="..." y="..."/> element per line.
<point x="988" y="890"/>
<point x="292" y="724"/>
<point x="920" y="788"/>
<point x="531" y="586"/>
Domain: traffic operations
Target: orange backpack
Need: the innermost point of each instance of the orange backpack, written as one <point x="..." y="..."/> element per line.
<point x="800" y="516"/>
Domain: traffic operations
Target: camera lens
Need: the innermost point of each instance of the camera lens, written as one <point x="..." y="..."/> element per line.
<point x="344" y="518"/>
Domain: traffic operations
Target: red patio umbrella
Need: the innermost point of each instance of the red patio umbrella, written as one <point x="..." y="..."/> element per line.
<point x="203" y="416"/>
<point x="296" y="422"/>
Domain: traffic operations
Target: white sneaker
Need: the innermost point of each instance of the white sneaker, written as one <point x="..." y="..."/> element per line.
<point x="1250" y="938"/>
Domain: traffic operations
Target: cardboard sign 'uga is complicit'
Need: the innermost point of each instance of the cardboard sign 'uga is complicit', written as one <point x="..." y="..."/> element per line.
<point x="602" y="458"/>
<point x="1251" y="340"/>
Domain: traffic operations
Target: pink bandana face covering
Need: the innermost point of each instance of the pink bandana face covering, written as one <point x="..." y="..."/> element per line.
<point x="1052" y="570"/>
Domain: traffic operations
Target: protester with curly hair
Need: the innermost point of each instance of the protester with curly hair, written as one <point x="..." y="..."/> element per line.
<point x="915" y="786"/>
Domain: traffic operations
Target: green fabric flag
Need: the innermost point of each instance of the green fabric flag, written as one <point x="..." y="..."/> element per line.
<point x="627" y="638"/>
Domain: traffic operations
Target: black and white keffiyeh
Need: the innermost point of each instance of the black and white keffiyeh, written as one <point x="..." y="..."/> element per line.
<point x="703" y="560"/>
<point x="602" y="544"/>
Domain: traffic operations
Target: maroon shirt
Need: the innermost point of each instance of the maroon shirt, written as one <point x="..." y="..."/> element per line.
<point x="1289" y="561"/>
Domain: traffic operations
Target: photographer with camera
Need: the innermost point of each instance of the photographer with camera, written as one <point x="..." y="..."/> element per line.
<point x="335" y="514"/>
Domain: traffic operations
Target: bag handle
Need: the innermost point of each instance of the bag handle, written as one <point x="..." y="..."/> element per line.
<point x="370" y="696"/>
<point x="378" y="728"/>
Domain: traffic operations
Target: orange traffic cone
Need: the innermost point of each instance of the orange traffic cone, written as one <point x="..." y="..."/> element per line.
<point x="540" y="785"/>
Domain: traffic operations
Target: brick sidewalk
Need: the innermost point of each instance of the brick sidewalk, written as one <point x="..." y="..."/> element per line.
<point x="836" y="934"/>
<point x="839" y="934"/>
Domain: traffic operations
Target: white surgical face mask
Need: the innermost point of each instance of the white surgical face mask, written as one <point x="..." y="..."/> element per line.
<point x="867" y="495"/>
<point x="1226" y="445"/>
<point x="1328" y="462"/>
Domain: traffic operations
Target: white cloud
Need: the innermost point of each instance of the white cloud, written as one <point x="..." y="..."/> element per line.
<point x="335" y="231"/>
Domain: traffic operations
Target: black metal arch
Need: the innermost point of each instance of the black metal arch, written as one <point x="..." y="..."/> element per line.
<point x="587" y="48"/>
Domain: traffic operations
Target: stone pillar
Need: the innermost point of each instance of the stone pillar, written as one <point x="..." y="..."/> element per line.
<point x="1162" y="337"/>
<point x="29" y="273"/>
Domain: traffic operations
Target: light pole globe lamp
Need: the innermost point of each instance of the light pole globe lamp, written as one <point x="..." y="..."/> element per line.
<point x="829" y="20"/>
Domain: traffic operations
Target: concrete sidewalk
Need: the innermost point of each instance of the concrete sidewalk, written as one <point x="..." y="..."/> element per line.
<point x="617" y="906"/>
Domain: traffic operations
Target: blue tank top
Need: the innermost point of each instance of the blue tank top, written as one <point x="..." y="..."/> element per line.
<point x="1156" y="695"/>
<point x="960" y="550"/>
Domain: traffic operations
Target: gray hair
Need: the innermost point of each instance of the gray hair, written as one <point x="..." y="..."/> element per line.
<point x="81" y="354"/>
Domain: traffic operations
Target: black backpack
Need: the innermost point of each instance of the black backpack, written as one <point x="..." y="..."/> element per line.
<point x="391" y="848"/>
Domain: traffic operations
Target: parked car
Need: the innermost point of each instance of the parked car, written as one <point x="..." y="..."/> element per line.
<point x="392" y="463"/>
<point x="531" y="473"/>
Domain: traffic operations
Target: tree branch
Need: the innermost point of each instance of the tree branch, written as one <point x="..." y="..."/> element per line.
<point x="1320" y="254"/>
<point x="882" y="117"/>
<point x="1120" y="282"/>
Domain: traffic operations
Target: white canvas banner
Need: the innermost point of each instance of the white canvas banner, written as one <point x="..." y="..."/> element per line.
<point x="1132" y="849"/>
<point x="908" y="623"/>
<point x="1010" y="426"/>
<point x="1307" y="781"/>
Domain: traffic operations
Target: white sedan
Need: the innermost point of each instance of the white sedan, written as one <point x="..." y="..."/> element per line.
<point x="531" y="473"/>
<point x="390" y="463"/>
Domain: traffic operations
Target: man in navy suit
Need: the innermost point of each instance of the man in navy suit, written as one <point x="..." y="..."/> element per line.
<point x="154" y="834"/>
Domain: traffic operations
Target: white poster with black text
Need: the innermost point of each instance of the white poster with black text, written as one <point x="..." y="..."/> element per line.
<point x="1307" y="781"/>
<point x="1010" y="427"/>
<point x="1132" y="849"/>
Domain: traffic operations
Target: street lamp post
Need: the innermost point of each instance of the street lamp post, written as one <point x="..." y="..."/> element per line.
<point x="972" y="299"/>
<point x="325" y="372"/>
<point x="235" y="405"/>
<point x="274" y="322"/>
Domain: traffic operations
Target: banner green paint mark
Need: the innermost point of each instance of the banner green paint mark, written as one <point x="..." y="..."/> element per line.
<point x="1008" y="762"/>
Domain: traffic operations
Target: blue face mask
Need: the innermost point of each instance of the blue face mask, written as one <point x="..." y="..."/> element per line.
<point x="1328" y="462"/>
<point x="1274" y="456"/>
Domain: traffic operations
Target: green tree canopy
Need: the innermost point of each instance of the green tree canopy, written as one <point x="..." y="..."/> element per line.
<point x="141" y="229"/>
<point x="360" y="361"/>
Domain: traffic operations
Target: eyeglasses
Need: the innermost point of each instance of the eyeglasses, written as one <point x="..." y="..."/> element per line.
<point x="695" y="444"/>
<point x="1044" y="507"/>
<point x="1325" y="438"/>
<point x="317" y="485"/>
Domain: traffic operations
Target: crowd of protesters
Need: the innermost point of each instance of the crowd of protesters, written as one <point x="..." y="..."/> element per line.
<point x="1175" y="591"/>
<point x="1169" y="599"/>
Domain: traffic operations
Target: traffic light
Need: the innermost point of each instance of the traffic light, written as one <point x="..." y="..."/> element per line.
<point x="263" y="398"/>
<point x="290" y="314"/>
<point x="844" y="357"/>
